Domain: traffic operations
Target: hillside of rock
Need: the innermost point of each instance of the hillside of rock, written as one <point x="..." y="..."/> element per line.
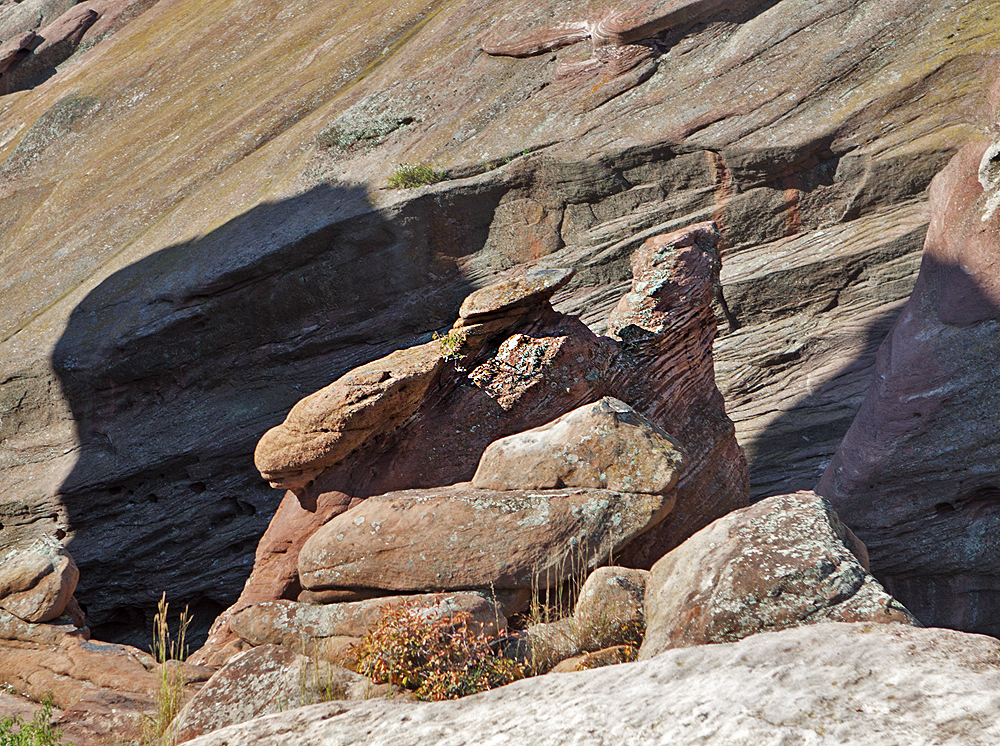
<point x="197" y="231"/>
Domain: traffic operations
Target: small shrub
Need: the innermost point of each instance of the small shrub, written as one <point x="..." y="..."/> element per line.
<point x="406" y="176"/>
<point x="439" y="659"/>
<point x="451" y="344"/>
<point x="39" y="732"/>
<point x="155" y="727"/>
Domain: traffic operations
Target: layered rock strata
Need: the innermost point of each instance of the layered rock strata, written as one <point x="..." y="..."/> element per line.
<point x="510" y="364"/>
<point x="916" y="475"/>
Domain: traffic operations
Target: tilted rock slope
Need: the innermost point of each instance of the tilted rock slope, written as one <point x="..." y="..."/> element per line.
<point x="823" y="683"/>
<point x="195" y="235"/>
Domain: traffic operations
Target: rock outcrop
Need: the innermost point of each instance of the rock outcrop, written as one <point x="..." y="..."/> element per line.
<point x="131" y="349"/>
<point x="783" y="562"/>
<point x="822" y="684"/>
<point x="37" y="582"/>
<point x="916" y="475"/>
<point x="513" y="364"/>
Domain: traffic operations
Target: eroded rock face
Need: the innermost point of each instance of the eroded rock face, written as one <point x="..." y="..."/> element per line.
<point x="605" y="445"/>
<point x="823" y="683"/>
<point x="519" y="373"/>
<point x="325" y="427"/>
<point x="127" y="372"/>
<point x="780" y="563"/>
<point x="916" y="475"/>
<point x="462" y="537"/>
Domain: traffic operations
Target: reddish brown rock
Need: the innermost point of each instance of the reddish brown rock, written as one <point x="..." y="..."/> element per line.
<point x="916" y="475"/>
<point x="610" y="608"/>
<point x="605" y="445"/>
<point x="780" y="563"/>
<point x="327" y="426"/>
<point x="306" y="628"/>
<point x="461" y="537"/>
<point x="511" y="382"/>
<point x="37" y="581"/>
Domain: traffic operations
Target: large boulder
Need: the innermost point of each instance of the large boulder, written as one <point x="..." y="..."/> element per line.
<point x="512" y="364"/>
<point x="605" y="445"/>
<point x="37" y="581"/>
<point x="783" y="562"/>
<point x="917" y="474"/>
<point x="821" y="684"/>
<point x="459" y="537"/>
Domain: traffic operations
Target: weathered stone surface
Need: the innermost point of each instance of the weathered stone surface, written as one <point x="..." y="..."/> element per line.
<point x="509" y="297"/>
<point x="460" y="537"/>
<point x="233" y="261"/>
<point x="37" y="581"/>
<point x="598" y="659"/>
<point x="604" y="445"/>
<point x="823" y="684"/>
<point x="916" y="475"/>
<point x="782" y="562"/>
<point x="301" y="627"/>
<point x="327" y="426"/>
<point x="552" y="365"/>
<point x="266" y="680"/>
<point x="610" y="609"/>
<point x="14" y="628"/>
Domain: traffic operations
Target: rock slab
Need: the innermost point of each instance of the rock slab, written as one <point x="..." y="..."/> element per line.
<point x="916" y="475"/>
<point x="824" y="684"/>
<point x="460" y="537"/>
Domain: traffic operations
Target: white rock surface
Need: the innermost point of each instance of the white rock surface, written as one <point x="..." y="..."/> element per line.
<point x="860" y="684"/>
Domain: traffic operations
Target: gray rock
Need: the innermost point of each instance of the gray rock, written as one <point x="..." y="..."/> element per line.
<point x="605" y="445"/>
<point x="782" y="562"/>
<point x="824" y="684"/>
<point x="268" y="679"/>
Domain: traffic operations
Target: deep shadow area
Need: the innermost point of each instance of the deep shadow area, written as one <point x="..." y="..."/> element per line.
<point x="175" y="366"/>
<point x="795" y="449"/>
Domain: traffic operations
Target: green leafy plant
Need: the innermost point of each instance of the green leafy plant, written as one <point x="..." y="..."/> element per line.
<point x="155" y="727"/>
<point x="451" y="344"/>
<point x="406" y="176"/>
<point x="39" y="732"/>
<point x="437" y="658"/>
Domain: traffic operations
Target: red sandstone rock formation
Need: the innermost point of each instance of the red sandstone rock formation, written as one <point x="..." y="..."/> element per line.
<point x="917" y="474"/>
<point x="524" y="365"/>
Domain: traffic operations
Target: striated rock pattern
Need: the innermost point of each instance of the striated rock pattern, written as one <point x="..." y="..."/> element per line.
<point x="228" y="266"/>
<point x="823" y="684"/>
<point x="458" y="537"/>
<point x="605" y="445"/>
<point x="916" y="476"/>
<point x="534" y="364"/>
<point x="783" y="562"/>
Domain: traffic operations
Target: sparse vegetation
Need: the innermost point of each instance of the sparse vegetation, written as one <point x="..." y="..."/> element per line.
<point x="438" y="659"/>
<point x="39" y="732"/>
<point x="155" y="727"/>
<point x="406" y="176"/>
<point x="451" y="344"/>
